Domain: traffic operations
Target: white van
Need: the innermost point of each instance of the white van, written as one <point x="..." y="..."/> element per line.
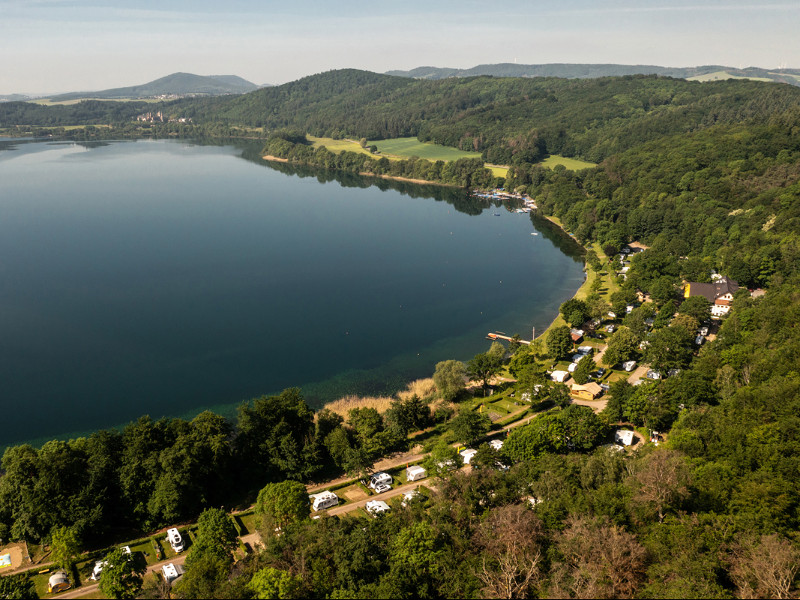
<point x="175" y="540"/>
<point x="323" y="500"/>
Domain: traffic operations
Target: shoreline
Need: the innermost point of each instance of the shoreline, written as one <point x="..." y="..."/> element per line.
<point x="367" y="174"/>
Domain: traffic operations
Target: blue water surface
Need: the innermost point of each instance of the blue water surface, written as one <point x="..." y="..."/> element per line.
<point x="166" y="277"/>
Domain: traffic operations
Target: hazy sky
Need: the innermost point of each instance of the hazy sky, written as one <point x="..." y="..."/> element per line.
<point x="77" y="45"/>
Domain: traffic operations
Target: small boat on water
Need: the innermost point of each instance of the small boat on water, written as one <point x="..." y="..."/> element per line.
<point x="534" y="233"/>
<point x="496" y="214"/>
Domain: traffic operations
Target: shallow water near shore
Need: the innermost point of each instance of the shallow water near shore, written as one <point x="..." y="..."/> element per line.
<point x="166" y="277"/>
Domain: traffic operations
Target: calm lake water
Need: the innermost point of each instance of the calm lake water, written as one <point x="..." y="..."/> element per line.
<point x="164" y="277"/>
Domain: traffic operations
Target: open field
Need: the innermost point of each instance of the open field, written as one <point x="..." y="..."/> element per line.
<point x="720" y="75"/>
<point x="497" y="170"/>
<point x="337" y="146"/>
<point x="573" y="164"/>
<point x="407" y="147"/>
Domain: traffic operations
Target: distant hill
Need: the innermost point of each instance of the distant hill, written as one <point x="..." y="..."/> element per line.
<point x="13" y="97"/>
<point x="588" y="71"/>
<point x="177" y="84"/>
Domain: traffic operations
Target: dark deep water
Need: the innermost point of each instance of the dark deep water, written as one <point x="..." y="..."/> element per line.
<point x="164" y="277"/>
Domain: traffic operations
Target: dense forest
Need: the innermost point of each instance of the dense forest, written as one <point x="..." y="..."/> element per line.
<point x="706" y="175"/>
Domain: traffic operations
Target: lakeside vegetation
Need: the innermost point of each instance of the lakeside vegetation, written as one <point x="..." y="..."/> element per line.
<point x="707" y="177"/>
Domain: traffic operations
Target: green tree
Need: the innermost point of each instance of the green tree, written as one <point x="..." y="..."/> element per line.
<point x="574" y="312"/>
<point x="274" y="435"/>
<point x="215" y="537"/>
<point x="585" y="367"/>
<point x="697" y="307"/>
<point x="121" y="577"/>
<point x="204" y="576"/>
<point x="269" y="583"/>
<point x="559" y="342"/>
<point x="65" y="547"/>
<point x="662" y="290"/>
<point x="544" y="434"/>
<point x="483" y="366"/>
<point x="405" y="416"/>
<point x="280" y="504"/>
<point x="622" y="346"/>
<point x="450" y="378"/>
<point x="17" y="587"/>
<point x="443" y="460"/>
<point x="469" y="426"/>
<point x="522" y="359"/>
<point x="670" y="348"/>
<point x="584" y="429"/>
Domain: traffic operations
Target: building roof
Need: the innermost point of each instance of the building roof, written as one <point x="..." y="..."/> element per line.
<point x="591" y="387"/>
<point x="376" y="507"/>
<point x="712" y="291"/>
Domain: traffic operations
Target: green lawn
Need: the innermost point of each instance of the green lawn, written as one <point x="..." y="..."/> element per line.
<point x="573" y="164"/>
<point x="337" y="146"/>
<point x="411" y="146"/>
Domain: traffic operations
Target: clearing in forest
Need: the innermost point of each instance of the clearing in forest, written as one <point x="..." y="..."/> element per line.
<point x="411" y="146"/>
<point x="573" y="164"/>
<point x="337" y="146"/>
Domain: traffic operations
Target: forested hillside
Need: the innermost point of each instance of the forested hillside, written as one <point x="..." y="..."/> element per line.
<point x="509" y="120"/>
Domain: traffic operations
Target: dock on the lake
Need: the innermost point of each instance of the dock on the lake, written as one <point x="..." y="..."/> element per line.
<point x="500" y="336"/>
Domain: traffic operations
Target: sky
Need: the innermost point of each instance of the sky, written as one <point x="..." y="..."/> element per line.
<point x="50" y="46"/>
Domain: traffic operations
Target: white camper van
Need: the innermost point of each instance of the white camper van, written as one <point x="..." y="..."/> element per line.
<point x="175" y="540"/>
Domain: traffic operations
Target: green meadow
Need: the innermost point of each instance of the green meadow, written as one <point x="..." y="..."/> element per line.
<point x="573" y="164"/>
<point x="337" y="146"/>
<point x="411" y="146"/>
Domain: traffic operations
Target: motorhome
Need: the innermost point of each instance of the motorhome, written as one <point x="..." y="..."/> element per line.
<point x="175" y="540"/>
<point x="323" y="500"/>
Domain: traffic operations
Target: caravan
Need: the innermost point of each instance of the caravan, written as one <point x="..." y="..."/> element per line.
<point x="415" y="473"/>
<point x="323" y="500"/>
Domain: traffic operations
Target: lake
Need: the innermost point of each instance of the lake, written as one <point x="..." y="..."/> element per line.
<point x="166" y="277"/>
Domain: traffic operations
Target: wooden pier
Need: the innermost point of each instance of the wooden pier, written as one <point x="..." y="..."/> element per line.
<point x="500" y="336"/>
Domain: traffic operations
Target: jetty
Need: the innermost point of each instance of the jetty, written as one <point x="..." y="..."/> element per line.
<point x="495" y="335"/>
